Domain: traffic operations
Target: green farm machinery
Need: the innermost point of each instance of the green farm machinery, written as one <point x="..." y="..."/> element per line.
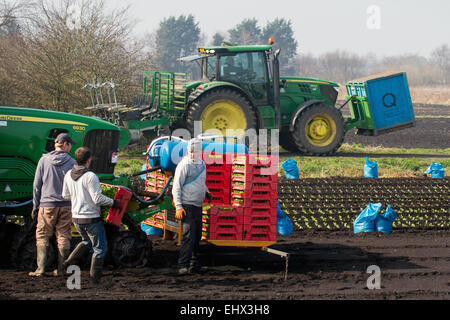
<point x="241" y="89"/>
<point x="25" y="135"/>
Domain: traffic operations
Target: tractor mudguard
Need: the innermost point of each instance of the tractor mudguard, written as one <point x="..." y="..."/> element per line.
<point x="201" y="89"/>
<point x="299" y="110"/>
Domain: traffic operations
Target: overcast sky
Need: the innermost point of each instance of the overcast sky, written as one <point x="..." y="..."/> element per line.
<point x="383" y="27"/>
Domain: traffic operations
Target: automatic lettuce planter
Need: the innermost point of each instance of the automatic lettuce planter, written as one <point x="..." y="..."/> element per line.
<point x="243" y="209"/>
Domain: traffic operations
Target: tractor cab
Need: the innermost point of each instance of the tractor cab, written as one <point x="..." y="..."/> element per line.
<point x="246" y="67"/>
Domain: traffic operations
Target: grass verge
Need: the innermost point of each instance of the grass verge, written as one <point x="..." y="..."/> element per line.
<point x="322" y="167"/>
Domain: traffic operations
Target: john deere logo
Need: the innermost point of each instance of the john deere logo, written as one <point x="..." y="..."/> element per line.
<point x="389" y="100"/>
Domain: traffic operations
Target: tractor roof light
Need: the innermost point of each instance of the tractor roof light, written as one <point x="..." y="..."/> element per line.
<point x="271" y="41"/>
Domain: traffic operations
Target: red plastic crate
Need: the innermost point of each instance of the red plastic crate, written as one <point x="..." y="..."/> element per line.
<point x="122" y="196"/>
<point x="255" y="186"/>
<point x="254" y="194"/>
<point x="260" y="219"/>
<point x="154" y="189"/>
<point x="156" y="184"/>
<point x="255" y="164"/>
<point x="227" y="228"/>
<point x="225" y="215"/>
<point x="218" y="182"/>
<point x="209" y="158"/>
<point x="253" y="178"/>
<point x="254" y="203"/>
<point x="220" y="191"/>
<point x="157" y="220"/>
<point x="261" y="211"/>
<point x="227" y="210"/>
<point x="154" y="223"/>
<point x="221" y="170"/>
<point x="219" y="197"/>
<point x="259" y="233"/>
<point x="251" y="198"/>
<point x="255" y="159"/>
<point x="224" y="236"/>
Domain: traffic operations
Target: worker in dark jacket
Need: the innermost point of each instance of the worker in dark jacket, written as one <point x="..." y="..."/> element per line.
<point x="52" y="210"/>
<point x="188" y="191"/>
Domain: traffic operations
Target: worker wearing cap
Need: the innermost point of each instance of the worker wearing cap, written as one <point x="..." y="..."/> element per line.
<point x="53" y="212"/>
<point x="188" y="191"/>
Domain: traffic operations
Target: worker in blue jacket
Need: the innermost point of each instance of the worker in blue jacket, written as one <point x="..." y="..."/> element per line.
<point x="189" y="191"/>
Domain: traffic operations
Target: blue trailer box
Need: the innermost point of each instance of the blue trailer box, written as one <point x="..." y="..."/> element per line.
<point x="384" y="102"/>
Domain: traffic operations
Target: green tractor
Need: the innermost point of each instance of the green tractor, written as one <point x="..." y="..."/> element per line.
<point x="241" y="89"/>
<point x="25" y="135"/>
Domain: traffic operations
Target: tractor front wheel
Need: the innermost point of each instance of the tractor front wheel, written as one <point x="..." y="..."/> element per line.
<point x="319" y="130"/>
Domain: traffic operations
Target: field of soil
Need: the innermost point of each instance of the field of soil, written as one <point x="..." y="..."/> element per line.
<point x="432" y="130"/>
<point x="325" y="262"/>
<point x="414" y="264"/>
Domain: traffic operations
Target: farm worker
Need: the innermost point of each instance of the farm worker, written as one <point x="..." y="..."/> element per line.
<point x="82" y="187"/>
<point x="188" y="191"/>
<point x="51" y="209"/>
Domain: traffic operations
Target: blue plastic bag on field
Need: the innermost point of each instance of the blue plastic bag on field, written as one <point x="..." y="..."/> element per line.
<point x="365" y="222"/>
<point x="370" y="169"/>
<point x="284" y="224"/>
<point x="436" y="170"/>
<point x="150" y="230"/>
<point x="383" y="222"/>
<point x="290" y="169"/>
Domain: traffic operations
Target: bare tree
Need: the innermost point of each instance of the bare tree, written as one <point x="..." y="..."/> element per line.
<point x="440" y="57"/>
<point x="70" y="42"/>
<point x="11" y="12"/>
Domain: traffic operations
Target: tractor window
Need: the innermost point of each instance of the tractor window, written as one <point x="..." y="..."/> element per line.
<point x="243" y="67"/>
<point x="249" y="71"/>
<point x="211" y="67"/>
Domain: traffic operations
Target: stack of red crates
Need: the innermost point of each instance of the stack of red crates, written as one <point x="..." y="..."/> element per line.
<point x="155" y="180"/>
<point x="157" y="220"/>
<point x="218" y="177"/>
<point x="251" y="213"/>
<point x="254" y="181"/>
<point x="225" y="222"/>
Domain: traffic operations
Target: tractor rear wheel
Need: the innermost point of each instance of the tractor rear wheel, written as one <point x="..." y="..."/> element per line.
<point x="319" y="130"/>
<point x="223" y="109"/>
<point x="287" y="142"/>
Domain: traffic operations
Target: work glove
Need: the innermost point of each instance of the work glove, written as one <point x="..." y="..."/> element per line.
<point x="116" y="204"/>
<point x="180" y="213"/>
<point x="209" y="196"/>
<point x="34" y="213"/>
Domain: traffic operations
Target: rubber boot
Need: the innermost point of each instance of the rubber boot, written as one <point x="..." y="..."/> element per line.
<point x="195" y="266"/>
<point x="41" y="252"/>
<point x="62" y="256"/>
<point x="96" y="270"/>
<point x="77" y="254"/>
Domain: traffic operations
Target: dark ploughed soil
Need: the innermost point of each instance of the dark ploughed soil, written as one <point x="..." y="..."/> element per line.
<point x="322" y="265"/>
<point x="432" y="130"/>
